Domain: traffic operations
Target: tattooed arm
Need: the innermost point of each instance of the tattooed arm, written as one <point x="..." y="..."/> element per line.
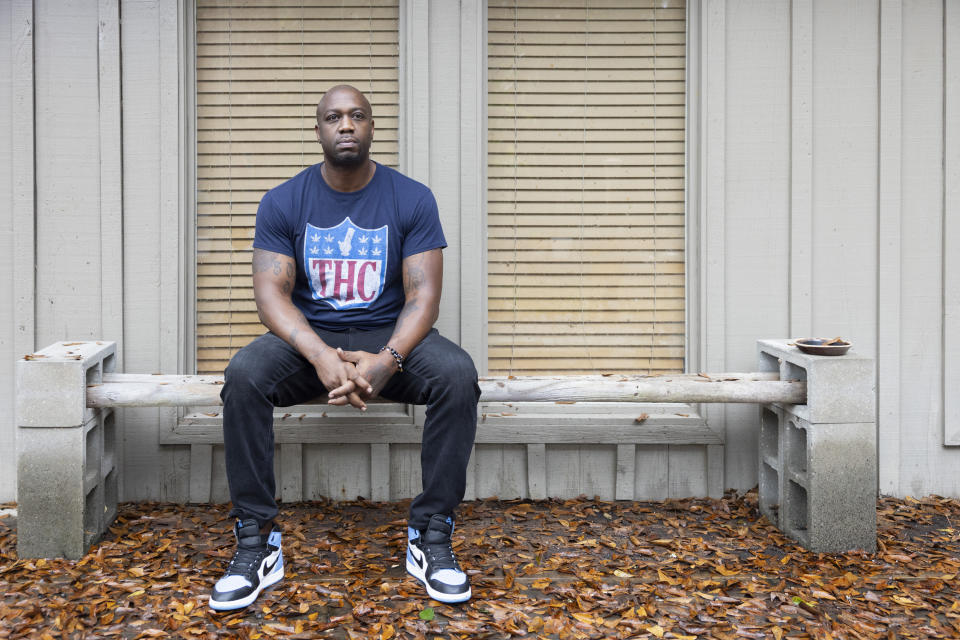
<point x="274" y="275"/>
<point x="422" y="282"/>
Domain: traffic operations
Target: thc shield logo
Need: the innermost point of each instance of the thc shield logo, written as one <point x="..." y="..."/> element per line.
<point x="346" y="264"/>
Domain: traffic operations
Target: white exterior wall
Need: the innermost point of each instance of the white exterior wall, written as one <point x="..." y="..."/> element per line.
<point x="836" y="192"/>
<point x="8" y="35"/>
<point x="824" y="164"/>
<point x="157" y="247"/>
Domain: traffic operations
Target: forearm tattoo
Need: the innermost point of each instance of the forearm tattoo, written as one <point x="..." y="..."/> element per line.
<point x="409" y="309"/>
<point x="300" y="325"/>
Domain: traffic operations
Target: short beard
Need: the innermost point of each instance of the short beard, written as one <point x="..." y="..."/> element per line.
<point x="346" y="161"/>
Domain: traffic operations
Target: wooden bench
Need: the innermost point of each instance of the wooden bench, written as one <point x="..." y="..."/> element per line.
<point x="67" y="470"/>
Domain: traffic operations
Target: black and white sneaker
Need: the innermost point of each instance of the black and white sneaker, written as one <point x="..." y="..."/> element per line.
<point x="430" y="560"/>
<point x="257" y="563"/>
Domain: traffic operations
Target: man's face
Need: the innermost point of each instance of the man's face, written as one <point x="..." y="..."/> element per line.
<point x="345" y="128"/>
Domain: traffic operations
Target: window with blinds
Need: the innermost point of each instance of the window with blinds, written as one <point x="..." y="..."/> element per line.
<point x="586" y="186"/>
<point x="262" y="65"/>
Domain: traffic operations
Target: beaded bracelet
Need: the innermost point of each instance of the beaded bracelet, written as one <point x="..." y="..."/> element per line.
<point x="396" y="356"/>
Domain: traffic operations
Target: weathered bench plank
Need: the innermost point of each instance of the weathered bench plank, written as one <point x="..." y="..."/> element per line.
<point x="137" y="390"/>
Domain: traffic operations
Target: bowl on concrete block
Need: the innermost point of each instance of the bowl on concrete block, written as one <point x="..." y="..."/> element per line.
<point x="823" y="347"/>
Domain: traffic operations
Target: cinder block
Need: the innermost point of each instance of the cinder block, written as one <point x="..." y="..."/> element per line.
<point x="839" y="388"/>
<point x="820" y="486"/>
<point x="770" y="468"/>
<point x="52" y="383"/>
<point x="53" y="486"/>
<point x="66" y="467"/>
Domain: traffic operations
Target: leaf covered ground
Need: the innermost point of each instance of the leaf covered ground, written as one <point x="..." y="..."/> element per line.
<point x="552" y="569"/>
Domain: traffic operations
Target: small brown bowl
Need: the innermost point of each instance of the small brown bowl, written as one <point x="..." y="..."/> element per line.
<point x="822" y="347"/>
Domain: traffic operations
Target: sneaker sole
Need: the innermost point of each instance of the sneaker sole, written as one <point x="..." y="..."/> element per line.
<point x="274" y="577"/>
<point x="448" y="598"/>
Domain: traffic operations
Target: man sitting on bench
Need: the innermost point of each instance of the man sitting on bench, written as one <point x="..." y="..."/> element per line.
<point x="347" y="271"/>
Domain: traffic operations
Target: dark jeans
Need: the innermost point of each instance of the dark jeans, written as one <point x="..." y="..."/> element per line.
<point x="269" y="373"/>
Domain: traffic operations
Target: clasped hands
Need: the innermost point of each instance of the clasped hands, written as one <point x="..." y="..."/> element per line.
<point x="354" y="377"/>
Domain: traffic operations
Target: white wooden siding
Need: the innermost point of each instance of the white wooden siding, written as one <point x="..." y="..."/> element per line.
<point x="756" y="221"/>
<point x="69" y="254"/>
<point x="922" y="457"/>
<point x="951" y="224"/>
<point x="826" y="153"/>
<point x="12" y="30"/>
<point x="889" y="249"/>
<point x="837" y="209"/>
<point x="152" y="226"/>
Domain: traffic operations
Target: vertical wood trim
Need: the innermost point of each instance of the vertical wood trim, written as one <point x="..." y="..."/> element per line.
<point x="291" y="471"/>
<point x="653" y="469"/>
<point x="111" y="177"/>
<point x="169" y="181"/>
<point x="23" y="159"/>
<point x="888" y="245"/>
<point x="801" y="167"/>
<point x="951" y="222"/>
<point x="379" y="472"/>
<point x="473" y="179"/>
<point x="201" y="472"/>
<point x="446" y="131"/>
<point x="715" y="453"/>
<point x="537" y="471"/>
<point x="23" y="210"/>
<point x="921" y="347"/>
<point x="712" y="214"/>
<point x="414" y="81"/>
<point x="188" y="185"/>
<point x="111" y="187"/>
<point x="693" y="347"/>
<point x="415" y="89"/>
<point x="171" y="239"/>
<point x="626" y="471"/>
<point x="712" y="226"/>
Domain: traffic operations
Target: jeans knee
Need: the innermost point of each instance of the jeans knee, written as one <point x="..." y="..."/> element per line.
<point x="459" y="374"/>
<point x="240" y="375"/>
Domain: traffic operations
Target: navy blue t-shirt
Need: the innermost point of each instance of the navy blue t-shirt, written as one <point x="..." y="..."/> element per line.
<point x="349" y="246"/>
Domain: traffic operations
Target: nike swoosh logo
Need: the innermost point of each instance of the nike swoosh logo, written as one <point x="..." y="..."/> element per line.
<point x="267" y="568"/>
<point x="417" y="556"/>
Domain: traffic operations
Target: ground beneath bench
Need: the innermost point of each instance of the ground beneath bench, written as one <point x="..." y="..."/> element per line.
<point x="549" y="569"/>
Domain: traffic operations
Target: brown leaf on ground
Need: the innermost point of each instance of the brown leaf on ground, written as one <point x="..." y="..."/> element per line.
<point x="559" y="569"/>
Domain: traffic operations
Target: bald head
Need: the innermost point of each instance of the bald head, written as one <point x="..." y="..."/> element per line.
<point x="345" y="127"/>
<point x="350" y="91"/>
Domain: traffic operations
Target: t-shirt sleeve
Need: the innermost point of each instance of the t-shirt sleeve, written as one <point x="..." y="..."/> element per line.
<point x="272" y="233"/>
<point x="424" y="232"/>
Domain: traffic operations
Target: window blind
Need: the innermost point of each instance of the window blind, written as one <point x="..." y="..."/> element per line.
<point x="586" y="186"/>
<point x="262" y="65"/>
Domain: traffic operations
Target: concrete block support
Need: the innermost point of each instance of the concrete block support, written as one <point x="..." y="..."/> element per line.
<point x="818" y="461"/>
<point x="840" y="389"/>
<point x="66" y="453"/>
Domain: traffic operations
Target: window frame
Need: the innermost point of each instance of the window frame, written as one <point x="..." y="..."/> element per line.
<point x="414" y="75"/>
